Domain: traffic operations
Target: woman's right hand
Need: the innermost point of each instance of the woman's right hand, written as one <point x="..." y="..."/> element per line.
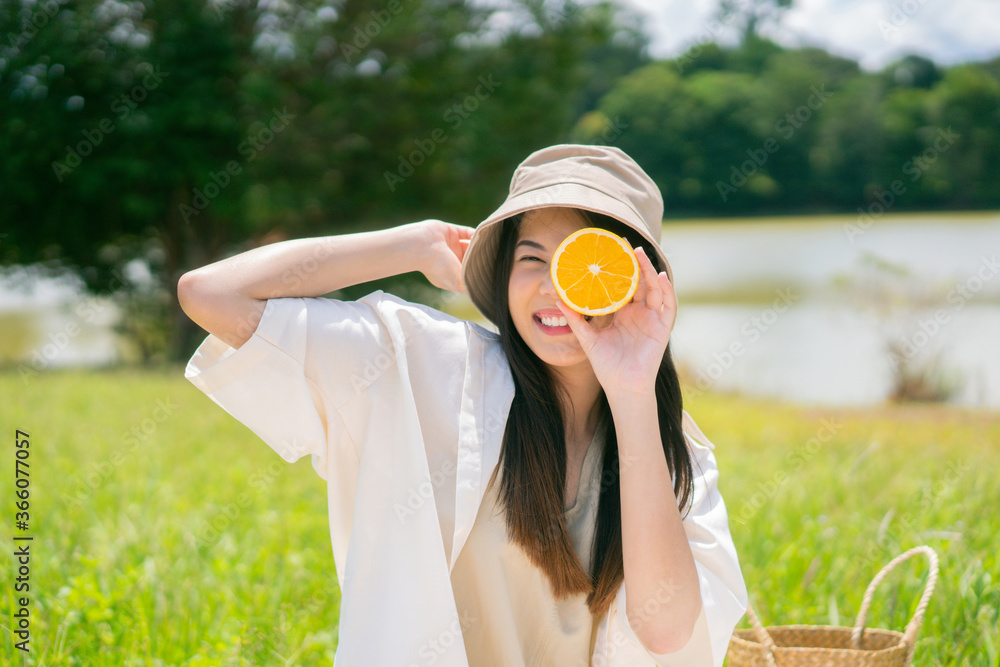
<point x="444" y="247"/>
<point x="227" y="298"/>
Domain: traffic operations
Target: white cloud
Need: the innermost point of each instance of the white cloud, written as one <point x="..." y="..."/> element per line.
<point x="873" y="32"/>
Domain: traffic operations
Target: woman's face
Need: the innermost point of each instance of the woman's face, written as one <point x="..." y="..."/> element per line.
<point x="531" y="296"/>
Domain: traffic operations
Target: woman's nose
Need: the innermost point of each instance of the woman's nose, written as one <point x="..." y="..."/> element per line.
<point x="547" y="288"/>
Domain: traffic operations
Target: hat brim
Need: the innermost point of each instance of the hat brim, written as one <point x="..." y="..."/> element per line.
<point x="479" y="262"/>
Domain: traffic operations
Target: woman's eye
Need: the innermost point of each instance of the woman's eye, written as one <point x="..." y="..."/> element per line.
<point x="530" y="257"/>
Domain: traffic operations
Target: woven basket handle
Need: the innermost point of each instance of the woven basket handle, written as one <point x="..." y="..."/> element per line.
<point x="762" y="635"/>
<point x="910" y="634"/>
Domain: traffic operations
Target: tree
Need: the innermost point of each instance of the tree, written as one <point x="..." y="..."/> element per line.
<point x="749" y="16"/>
<point x="912" y="71"/>
<point x="759" y="128"/>
<point x="961" y="145"/>
<point x="653" y="109"/>
<point x="850" y="144"/>
<point x="184" y="131"/>
<point x="123" y="155"/>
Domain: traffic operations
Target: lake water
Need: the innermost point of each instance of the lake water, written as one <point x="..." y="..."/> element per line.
<point x="799" y="309"/>
<point x="795" y="310"/>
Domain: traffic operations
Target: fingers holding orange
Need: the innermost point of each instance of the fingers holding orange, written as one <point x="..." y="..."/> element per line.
<point x="653" y="293"/>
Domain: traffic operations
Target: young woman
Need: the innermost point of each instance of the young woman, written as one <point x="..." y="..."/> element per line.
<point x="530" y="497"/>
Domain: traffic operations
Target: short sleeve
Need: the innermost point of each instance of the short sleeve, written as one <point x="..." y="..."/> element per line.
<point x="273" y="382"/>
<point x="723" y="590"/>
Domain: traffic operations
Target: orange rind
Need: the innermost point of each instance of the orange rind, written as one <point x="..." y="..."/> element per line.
<point x="595" y="271"/>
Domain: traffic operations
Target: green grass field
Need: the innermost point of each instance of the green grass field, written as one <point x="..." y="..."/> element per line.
<point x="165" y="533"/>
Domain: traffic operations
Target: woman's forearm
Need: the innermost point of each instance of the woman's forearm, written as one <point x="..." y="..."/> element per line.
<point x="661" y="580"/>
<point x="314" y="266"/>
<point x="227" y="298"/>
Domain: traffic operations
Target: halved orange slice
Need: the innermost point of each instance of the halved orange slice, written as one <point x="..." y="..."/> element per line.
<point x="594" y="271"/>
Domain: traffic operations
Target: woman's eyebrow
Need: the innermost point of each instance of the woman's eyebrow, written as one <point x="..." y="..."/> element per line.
<point x="530" y="243"/>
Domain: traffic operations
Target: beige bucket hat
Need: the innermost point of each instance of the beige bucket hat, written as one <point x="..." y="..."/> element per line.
<point x="602" y="179"/>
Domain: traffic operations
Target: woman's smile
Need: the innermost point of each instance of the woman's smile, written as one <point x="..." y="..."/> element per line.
<point x="552" y="323"/>
<point x="531" y="296"/>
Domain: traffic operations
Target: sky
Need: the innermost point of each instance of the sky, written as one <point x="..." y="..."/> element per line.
<point x="872" y="32"/>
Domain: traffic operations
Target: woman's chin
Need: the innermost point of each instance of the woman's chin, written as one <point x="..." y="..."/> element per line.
<point x="557" y="351"/>
<point x="562" y="354"/>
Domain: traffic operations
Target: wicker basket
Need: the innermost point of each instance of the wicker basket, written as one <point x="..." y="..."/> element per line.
<point x="815" y="645"/>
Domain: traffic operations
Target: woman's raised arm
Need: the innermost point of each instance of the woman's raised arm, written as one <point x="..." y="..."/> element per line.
<point x="227" y="298"/>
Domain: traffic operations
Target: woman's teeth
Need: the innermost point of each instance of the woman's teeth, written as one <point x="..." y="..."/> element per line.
<point x="554" y="321"/>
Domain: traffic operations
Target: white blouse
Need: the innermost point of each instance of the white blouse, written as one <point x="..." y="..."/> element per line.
<point x="402" y="410"/>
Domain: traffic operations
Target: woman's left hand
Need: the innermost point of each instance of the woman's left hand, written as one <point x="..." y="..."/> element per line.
<point x="626" y="353"/>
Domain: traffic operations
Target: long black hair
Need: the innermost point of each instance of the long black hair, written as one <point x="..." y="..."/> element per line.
<point x="533" y="454"/>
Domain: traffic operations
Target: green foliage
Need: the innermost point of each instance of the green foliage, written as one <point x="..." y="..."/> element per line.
<point x="760" y="129"/>
<point x="968" y="100"/>
<point x="160" y="543"/>
<point x="166" y="533"/>
<point x="182" y="132"/>
<point x="748" y="16"/>
<point x="815" y="517"/>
